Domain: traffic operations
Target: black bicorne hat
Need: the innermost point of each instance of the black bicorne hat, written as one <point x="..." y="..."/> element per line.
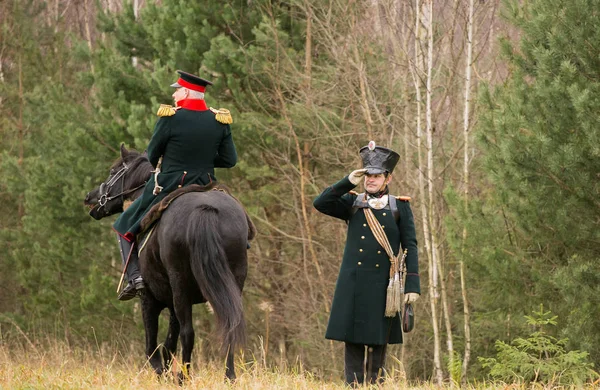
<point x="377" y="159"/>
<point x="191" y="81"/>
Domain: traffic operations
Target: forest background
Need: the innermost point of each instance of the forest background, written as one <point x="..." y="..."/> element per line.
<point x="493" y="106"/>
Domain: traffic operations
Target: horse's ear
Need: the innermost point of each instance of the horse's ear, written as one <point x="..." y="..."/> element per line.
<point x="124" y="151"/>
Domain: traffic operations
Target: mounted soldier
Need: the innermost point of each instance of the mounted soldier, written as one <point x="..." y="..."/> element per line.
<point x="189" y="141"/>
<point x="366" y="302"/>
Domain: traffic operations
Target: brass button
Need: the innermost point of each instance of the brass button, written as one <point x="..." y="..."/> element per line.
<point x="378" y="252"/>
<point x="362" y="237"/>
<point x="376" y="265"/>
<point x="359" y="263"/>
<point x="383" y="214"/>
<point x="360" y="250"/>
<point x="185" y="172"/>
<point x="364" y="224"/>
<point x="179" y="186"/>
<point x="383" y="227"/>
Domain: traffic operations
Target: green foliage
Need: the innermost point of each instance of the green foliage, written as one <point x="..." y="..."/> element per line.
<point x="538" y="226"/>
<point x="53" y="253"/>
<point x="64" y="264"/>
<point x="51" y="158"/>
<point x="533" y="223"/>
<point x="539" y="357"/>
<point x="455" y="367"/>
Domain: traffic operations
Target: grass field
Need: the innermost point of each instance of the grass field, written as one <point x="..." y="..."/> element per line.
<point x="61" y="367"/>
<point x="66" y="369"/>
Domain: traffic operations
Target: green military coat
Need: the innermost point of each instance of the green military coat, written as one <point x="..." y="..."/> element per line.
<point x="358" y="309"/>
<point x="192" y="144"/>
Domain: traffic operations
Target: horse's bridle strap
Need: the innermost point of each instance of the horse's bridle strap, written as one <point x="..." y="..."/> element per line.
<point x="104" y="198"/>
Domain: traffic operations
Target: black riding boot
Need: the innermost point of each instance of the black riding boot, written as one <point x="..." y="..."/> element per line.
<point x="375" y="362"/>
<point x="354" y="364"/>
<point x="135" y="283"/>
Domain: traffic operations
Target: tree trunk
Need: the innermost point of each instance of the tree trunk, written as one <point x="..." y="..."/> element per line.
<point x="21" y="137"/>
<point x="136" y="14"/>
<point x="431" y="177"/>
<point x="417" y="74"/>
<point x="362" y="82"/>
<point x="88" y="30"/>
<point x="463" y="288"/>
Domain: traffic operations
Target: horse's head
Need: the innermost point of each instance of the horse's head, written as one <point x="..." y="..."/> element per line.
<point x="126" y="181"/>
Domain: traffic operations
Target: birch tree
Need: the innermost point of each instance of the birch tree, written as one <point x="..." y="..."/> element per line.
<point x="466" y="128"/>
<point x="424" y="12"/>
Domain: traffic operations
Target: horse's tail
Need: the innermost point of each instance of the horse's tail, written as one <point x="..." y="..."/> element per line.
<point x="216" y="281"/>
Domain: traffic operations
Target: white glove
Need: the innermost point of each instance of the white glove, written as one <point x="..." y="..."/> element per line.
<point x="356" y="176"/>
<point x="410" y="297"/>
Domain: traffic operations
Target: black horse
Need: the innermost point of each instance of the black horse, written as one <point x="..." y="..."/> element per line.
<point x="196" y="254"/>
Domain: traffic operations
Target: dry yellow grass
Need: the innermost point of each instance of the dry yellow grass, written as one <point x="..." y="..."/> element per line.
<point x="66" y="369"/>
<point x="61" y="367"/>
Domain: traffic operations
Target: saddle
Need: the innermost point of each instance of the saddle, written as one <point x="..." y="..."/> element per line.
<point x="154" y="214"/>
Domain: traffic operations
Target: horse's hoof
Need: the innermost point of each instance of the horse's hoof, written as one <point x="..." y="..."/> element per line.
<point x="180" y="378"/>
<point x="230" y="377"/>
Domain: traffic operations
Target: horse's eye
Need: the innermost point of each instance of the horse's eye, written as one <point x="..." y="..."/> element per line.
<point x="112" y="171"/>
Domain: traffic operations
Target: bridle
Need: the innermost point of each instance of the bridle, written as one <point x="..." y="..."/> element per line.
<point x="105" y="188"/>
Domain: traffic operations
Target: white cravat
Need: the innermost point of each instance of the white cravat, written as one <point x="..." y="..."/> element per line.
<point x="378" y="203"/>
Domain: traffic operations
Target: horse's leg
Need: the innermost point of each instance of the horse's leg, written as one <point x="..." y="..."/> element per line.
<point x="230" y="368"/>
<point x="151" y="309"/>
<point x="183" y="311"/>
<point x="171" y="340"/>
<point x="240" y="271"/>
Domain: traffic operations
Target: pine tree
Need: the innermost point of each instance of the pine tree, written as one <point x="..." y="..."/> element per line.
<point x="540" y="358"/>
<point x="540" y="136"/>
<point x="51" y="150"/>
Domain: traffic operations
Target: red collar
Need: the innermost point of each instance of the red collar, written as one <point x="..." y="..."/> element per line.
<point x="193" y="104"/>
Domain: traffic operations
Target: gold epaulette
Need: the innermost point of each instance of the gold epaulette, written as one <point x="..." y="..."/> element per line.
<point x="352" y="192"/>
<point x="222" y="115"/>
<point x="166" y="110"/>
<point x="403" y="198"/>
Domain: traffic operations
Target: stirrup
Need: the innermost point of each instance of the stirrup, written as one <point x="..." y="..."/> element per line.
<point x="129" y="292"/>
<point x="132" y="289"/>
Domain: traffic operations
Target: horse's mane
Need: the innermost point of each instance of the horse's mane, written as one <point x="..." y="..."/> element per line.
<point x="138" y="163"/>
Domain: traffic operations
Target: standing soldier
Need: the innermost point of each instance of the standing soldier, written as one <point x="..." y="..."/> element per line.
<point x="189" y="142"/>
<point x="362" y="315"/>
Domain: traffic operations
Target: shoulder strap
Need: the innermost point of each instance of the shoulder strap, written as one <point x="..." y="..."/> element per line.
<point x="382" y="239"/>
<point x="358" y="203"/>
<point x="393" y="207"/>
<point x="396" y="284"/>
<point x="360" y="198"/>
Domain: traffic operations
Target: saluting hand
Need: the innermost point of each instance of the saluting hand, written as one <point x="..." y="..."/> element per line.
<point x="356" y="176"/>
<point x="410" y="297"/>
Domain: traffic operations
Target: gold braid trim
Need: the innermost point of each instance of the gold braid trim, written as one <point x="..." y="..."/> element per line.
<point x="222" y="115"/>
<point x="166" y="110"/>
<point x="395" y="287"/>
